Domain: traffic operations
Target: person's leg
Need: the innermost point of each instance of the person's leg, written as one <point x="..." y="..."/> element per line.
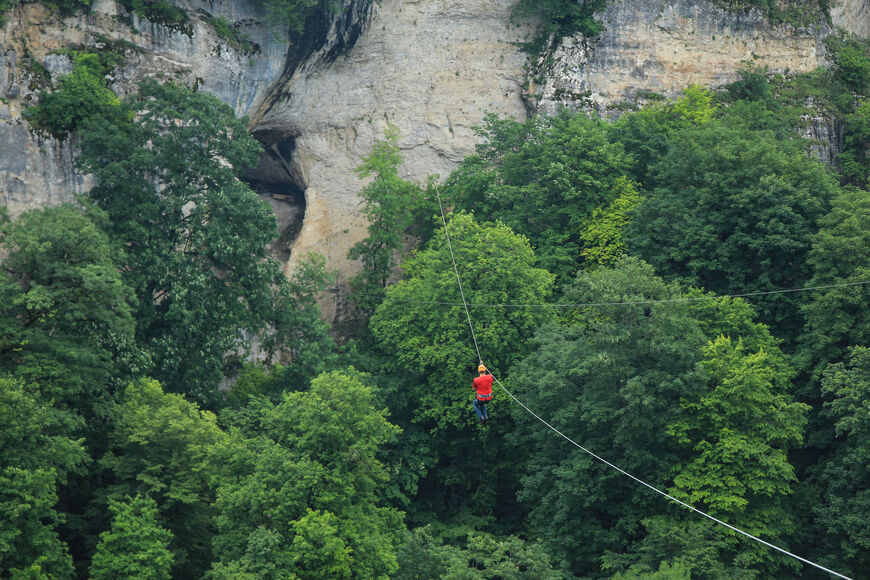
<point x="485" y="414"/>
<point x="477" y="410"/>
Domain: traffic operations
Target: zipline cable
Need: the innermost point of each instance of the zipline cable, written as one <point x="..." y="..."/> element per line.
<point x="599" y="458"/>
<point x="670" y="497"/>
<point x="458" y="280"/>
<point x="634" y="302"/>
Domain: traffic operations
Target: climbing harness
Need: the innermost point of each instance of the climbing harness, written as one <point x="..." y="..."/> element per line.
<point x="602" y="460"/>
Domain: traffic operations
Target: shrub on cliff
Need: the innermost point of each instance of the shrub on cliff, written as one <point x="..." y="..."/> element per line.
<point x="80" y="96"/>
<point x="559" y="18"/>
<point x="292" y="13"/>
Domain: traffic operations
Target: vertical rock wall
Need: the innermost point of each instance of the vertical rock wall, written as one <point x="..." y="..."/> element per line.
<point x="661" y="46"/>
<point x="36" y="171"/>
<point x="852" y="15"/>
<point x="432" y="68"/>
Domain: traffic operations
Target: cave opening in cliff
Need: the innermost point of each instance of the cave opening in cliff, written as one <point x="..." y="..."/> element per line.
<point x="276" y="182"/>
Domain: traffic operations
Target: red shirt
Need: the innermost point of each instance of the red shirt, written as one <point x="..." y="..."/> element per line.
<point x="483" y="384"/>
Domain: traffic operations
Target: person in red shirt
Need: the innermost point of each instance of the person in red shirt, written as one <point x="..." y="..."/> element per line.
<point x="483" y="393"/>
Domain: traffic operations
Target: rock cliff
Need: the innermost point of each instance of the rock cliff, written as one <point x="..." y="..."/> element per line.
<point x="36" y="171"/>
<point x="661" y="46"/>
<point x="432" y="68"/>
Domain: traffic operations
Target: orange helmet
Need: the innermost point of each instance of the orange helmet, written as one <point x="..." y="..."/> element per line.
<point x="481" y="368"/>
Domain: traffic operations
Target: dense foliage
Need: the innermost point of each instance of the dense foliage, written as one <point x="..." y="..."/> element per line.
<point x="79" y="96"/>
<point x="194" y="234"/>
<point x="141" y="439"/>
<point x="558" y="19"/>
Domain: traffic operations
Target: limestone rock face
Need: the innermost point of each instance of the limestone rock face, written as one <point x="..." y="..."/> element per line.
<point x="853" y="15"/>
<point x="38" y="171"/>
<point x="661" y="46"/>
<point x="432" y="68"/>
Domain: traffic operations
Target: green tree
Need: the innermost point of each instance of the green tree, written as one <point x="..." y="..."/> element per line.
<point x="80" y="96"/>
<point x="299" y="486"/>
<point x="845" y="475"/>
<point x="611" y="378"/>
<point x="851" y="61"/>
<point x="695" y="105"/>
<point x="160" y="446"/>
<point x="38" y="455"/>
<point x="65" y="313"/>
<point x="733" y="211"/>
<point x="837" y="318"/>
<point x="136" y="546"/>
<point x="543" y="179"/>
<point x="194" y="234"/>
<point x="391" y="205"/>
<point x="646" y="134"/>
<point x="855" y="158"/>
<point x="318" y="551"/>
<point x="692" y="396"/>
<point x="300" y="334"/>
<point x="603" y="239"/>
<point x="479" y="556"/>
<point x="429" y="352"/>
<point x="558" y="19"/>
<point x="66" y="328"/>
<point x="740" y="428"/>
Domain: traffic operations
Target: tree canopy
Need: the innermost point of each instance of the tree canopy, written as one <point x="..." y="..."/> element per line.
<point x="194" y="235"/>
<point x="173" y="405"/>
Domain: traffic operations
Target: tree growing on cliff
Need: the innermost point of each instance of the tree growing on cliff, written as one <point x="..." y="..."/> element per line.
<point x="194" y="234"/>
<point x="391" y="205"/>
<point x="293" y="13"/>
<point x="79" y="96"/>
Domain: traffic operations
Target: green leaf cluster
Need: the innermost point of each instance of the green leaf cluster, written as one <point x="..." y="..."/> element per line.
<point x="543" y="178"/>
<point x="136" y="546"/>
<point x="80" y="96"/>
<point x="298" y="486"/>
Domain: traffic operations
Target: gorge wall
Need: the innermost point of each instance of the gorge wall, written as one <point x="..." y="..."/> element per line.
<point x="35" y="171"/>
<point x="432" y="68"/>
<point x="662" y="46"/>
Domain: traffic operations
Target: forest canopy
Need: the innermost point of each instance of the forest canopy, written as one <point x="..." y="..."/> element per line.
<point x="683" y="290"/>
